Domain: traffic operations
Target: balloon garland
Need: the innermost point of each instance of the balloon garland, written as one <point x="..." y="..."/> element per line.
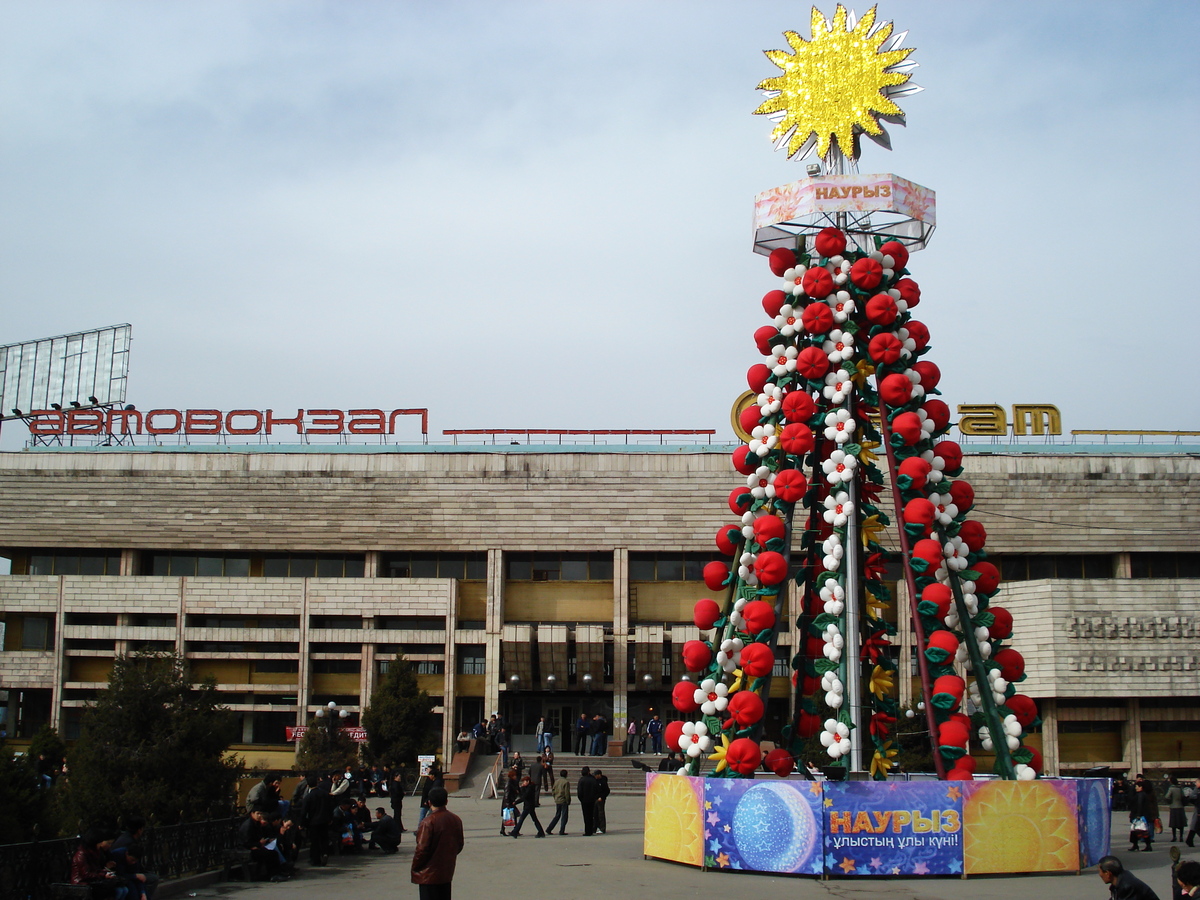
<point x="842" y="348"/>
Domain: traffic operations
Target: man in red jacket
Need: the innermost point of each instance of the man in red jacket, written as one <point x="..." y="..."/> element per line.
<point x="439" y="841"/>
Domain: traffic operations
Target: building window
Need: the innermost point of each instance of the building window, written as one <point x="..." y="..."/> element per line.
<point x="275" y="666"/>
<point x="1164" y="565"/>
<point x="35" y="634"/>
<point x="91" y="619"/>
<point x="313" y="565"/>
<point x="1031" y="567"/>
<point x="411" y="623"/>
<point x="353" y="623"/>
<point x="75" y="562"/>
<point x="229" y="565"/>
<point x="149" y="620"/>
<point x="472" y="660"/>
<point x="241" y="622"/>
<point x="336" y="667"/>
<point x="782" y="668"/>
<point x="668" y="566"/>
<point x="429" y="666"/>
<point x="556" y="566"/>
<point x="463" y="566"/>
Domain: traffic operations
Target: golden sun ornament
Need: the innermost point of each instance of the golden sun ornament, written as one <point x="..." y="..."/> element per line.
<point x="838" y="85"/>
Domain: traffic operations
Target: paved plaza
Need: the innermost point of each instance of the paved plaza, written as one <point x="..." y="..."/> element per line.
<point x="611" y="867"/>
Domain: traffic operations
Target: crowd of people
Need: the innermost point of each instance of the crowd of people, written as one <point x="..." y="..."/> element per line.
<point x="1141" y="800"/>
<point x="111" y="863"/>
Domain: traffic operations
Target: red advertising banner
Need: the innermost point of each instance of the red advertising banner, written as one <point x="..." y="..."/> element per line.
<point x="297" y="732"/>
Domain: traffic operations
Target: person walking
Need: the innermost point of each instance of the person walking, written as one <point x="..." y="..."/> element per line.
<point x="512" y="794"/>
<point x="587" y="790"/>
<point x="1143" y="812"/>
<point x="562" y="804"/>
<point x="1194" y="825"/>
<point x="439" y="841"/>
<point x="547" y="769"/>
<point x="529" y="804"/>
<point x="433" y="781"/>
<point x="601" y="801"/>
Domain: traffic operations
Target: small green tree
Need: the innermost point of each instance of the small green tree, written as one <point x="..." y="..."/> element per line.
<point x="324" y="748"/>
<point x="154" y="745"/>
<point x="400" y="722"/>
<point x="46" y="742"/>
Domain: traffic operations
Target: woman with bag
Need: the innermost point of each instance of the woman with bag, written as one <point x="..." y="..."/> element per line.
<point x="1143" y="813"/>
<point x="508" y="803"/>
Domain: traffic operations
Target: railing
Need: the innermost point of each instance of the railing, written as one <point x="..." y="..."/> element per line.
<point x="593" y="433"/>
<point x="28" y="870"/>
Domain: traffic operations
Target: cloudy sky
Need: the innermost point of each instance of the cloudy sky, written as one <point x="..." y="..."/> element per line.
<point x="538" y="214"/>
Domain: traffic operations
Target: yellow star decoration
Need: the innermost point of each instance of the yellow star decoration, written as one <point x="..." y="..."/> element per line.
<point x="881" y="762"/>
<point x="865" y="454"/>
<point x="722" y="860"/>
<point x="829" y="801"/>
<point x="833" y="85"/>
<point x="881" y="682"/>
<point x="737" y="681"/>
<point x="846" y="865"/>
<point x="719" y="753"/>
<point x="861" y="372"/>
<point x="871" y="528"/>
<point x="953" y="794"/>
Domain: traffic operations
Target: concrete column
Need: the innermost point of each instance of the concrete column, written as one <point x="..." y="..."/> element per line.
<point x="904" y="638"/>
<point x="130" y="562"/>
<point x="1124" y="567"/>
<point x="371" y="564"/>
<point x="1131" y="736"/>
<point x="304" y="675"/>
<point x="449" y="689"/>
<point x="495" y="627"/>
<point x="621" y="630"/>
<point x="1048" y="708"/>
<point x="181" y="619"/>
<point x="60" y="662"/>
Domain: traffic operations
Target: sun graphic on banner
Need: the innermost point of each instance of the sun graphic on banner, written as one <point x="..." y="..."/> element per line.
<point x="673" y="825"/>
<point x="837" y="86"/>
<point x="1019" y="826"/>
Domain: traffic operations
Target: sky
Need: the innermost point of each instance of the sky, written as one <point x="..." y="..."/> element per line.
<point x="537" y="215"/>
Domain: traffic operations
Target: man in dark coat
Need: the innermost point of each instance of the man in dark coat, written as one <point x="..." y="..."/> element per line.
<point x="318" y="815"/>
<point x="1123" y="885"/>
<point x="599" y="816"/>
<point x="588" y="792"/>
<point x="439" y="841"/>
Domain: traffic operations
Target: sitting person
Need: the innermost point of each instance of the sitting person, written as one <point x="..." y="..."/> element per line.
<point x="464" y="741"/>
<point x="255" y="835"/>
<point x="362" y="817"/>
<point x="91" y="866"/>
<point x="386" y="833"/>
<point x="345" y="834"/>
<point x="135" y="831"/>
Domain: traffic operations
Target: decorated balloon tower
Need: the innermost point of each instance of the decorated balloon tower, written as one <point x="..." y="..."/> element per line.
<point x="843" y="437"/>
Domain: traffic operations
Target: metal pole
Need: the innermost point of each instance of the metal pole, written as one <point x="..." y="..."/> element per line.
<point x="851" y="562"/>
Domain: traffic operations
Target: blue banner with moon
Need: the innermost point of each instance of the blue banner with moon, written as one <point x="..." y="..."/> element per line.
<point x="873" y="828"/>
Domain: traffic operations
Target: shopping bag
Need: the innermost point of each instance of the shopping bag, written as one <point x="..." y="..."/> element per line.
<point x="1158" y="826"/>
<point x="509" y="816"/>
<point x="1138" y="824"/>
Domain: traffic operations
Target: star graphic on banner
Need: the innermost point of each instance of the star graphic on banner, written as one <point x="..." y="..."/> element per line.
<point x="876" y="862"/>
<point x="816" y="866"/>
<point x="722" y="860"/>
<point x="814" y="788"/>
<point x="830" y="860"/>
<point x="735" y="865"/>
<point x="920" y="869"/>
<point x="954" y="793"/>
<point x="716" y="801"/>
<point x="846" y="865"/>
<point x="955" y="866"/>
<point x="829" y="801"/>
<point x="726" y="829"/>
<point x="713" y="818"/>
<point x="708" y="804"/>
<point x="729" y="784"/>
<point x="714" y="845"/>
<point x="707" y="834"/>
<point x="895" y="870"/>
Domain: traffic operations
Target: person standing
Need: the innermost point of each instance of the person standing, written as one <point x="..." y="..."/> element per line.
<point x="562" y="804"/>
<point x="601" y="801"/>
<point x="582" y="729"/>
<point x="643" y="735"/>
<point x="631" y="736"/>
<point x="1122" y="884"/>
<point x="597" y="732"/>
<point x="439" y="841"/>
<point x="655" y="730"/>
<point x="1178" y="820"/>
<point x="547" y="769"/>
<point x="529" y="804"/>
<point x="587" y="790"/>
<point x="1194" y="825"/>
<point x="540" y="732"/>
<point x="433" y="781"/>
<point x="318" y="816"/>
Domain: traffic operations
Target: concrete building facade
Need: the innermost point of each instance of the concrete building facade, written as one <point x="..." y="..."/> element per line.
<point x="546" y="581"/>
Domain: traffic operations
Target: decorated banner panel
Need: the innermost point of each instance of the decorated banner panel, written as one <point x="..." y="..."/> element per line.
<point x="674" y="824"/>
<point x="763" y="826"/>
<point x="871" y="828"/>
<point x="901" y="828"/>
<point x="1094" y="801"/>
<point x="1021" y="826"/>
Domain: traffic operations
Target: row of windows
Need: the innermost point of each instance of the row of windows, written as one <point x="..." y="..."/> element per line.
<point x="554" y="566"/>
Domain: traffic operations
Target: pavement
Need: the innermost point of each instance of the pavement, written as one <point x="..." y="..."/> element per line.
<point x="611" y="866"/>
